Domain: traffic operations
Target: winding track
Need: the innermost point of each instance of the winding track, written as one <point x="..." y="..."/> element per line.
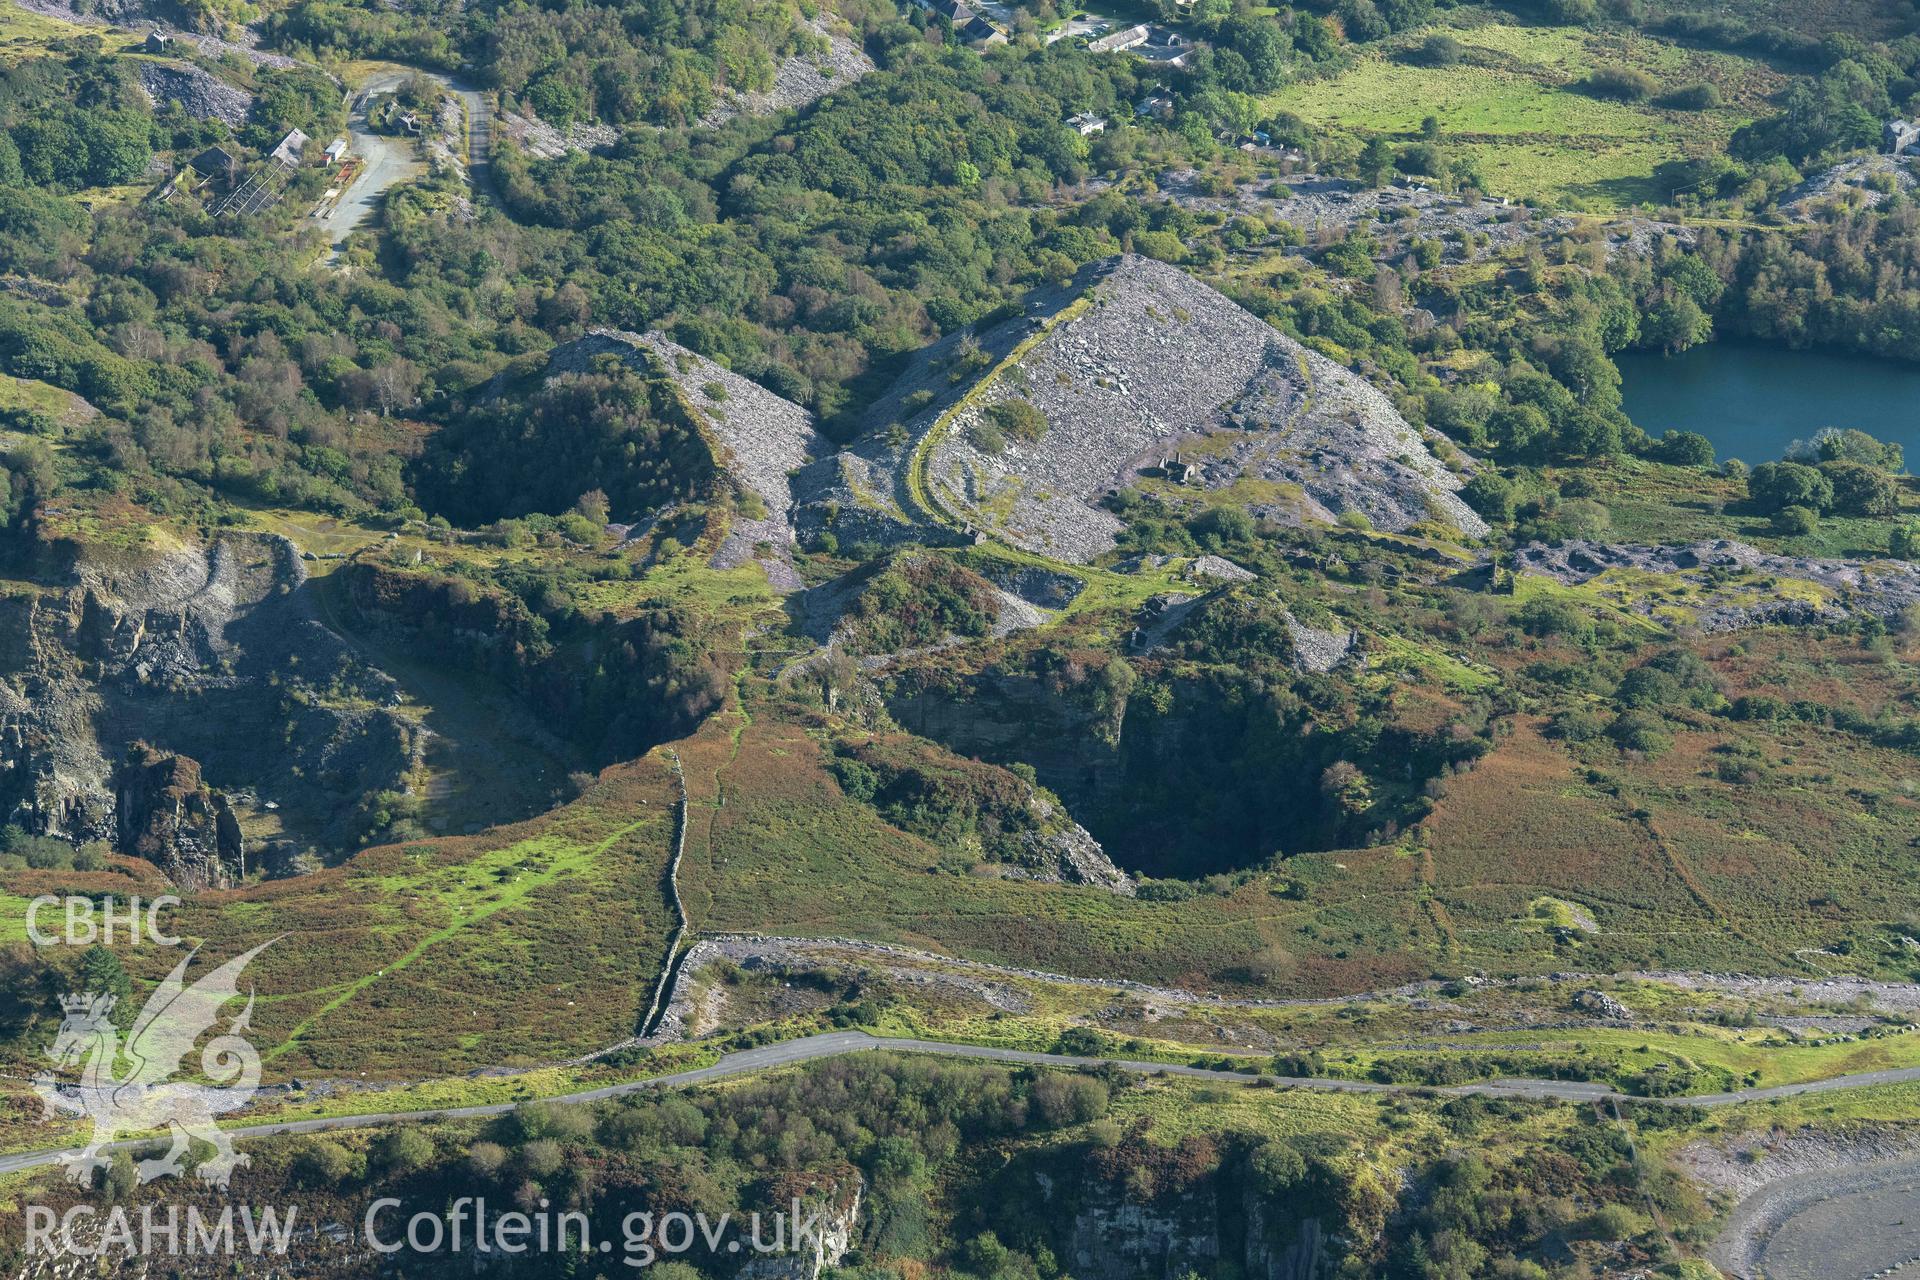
<point x="834" y="1044"/>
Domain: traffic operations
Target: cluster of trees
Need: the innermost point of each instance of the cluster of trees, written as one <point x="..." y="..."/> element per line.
<point x="611" y="686"/>
<point x="809" y="257"/>
<point x="1844" y="473"/>
<point x="543" y="445"/>
<point x="954" y="802"/>
<point x="1840" y="109"/>
<point x="661" y="62"/>
<point x="917" y="600"/>
<point x="73" y="122"/>
<point x="917" y="1135"/>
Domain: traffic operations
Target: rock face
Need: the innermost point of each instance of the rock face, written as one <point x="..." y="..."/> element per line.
<point x="1737" y="585"/>
<point x="1138" y="370"/>
<point x="1211" y="1229"/>
<point x="197" y="93"/>
<point x="1601" y="1005"/>
<point x="165" y="814"/>
<point x="1073" y="856"/>
<point x="835" y="1197"/>
<point x="214" y="657"/>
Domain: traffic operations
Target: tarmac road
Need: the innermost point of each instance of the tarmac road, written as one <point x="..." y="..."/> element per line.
<point x="836" y="1043"/>
<point x="387" y="161"/>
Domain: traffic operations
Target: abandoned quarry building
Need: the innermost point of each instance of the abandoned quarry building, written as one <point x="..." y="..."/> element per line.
<point x="216" y="162"/>
<point x="291" y="148"/>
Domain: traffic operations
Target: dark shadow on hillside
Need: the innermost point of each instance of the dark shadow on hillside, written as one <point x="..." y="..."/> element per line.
<point x="488" y="761"/>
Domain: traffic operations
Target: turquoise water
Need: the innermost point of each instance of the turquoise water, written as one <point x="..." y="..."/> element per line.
<point x="1753" y="401"/>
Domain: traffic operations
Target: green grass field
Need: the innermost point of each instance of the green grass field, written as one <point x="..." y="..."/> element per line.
<point x="1509" y="111"/>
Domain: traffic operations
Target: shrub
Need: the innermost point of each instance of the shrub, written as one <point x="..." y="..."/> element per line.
<point x="1544" y="616"/>
<point x="1640" y="731"/>
<point x="324" y="1165"/>
<point x="1080" y="1042"/>
<point x="486" y="1158"/>
<point x="1017" y="420"/>
<point x="1491" y="495"/>
<point x="1220" y="525"/>
<point x="1904" y="542"/>
<point x="1623" y="84"/>
<point x="1612" y="1222"/>
<point x="403" y="1150"/>
<point x="987" y="438"/>
<point x="1649" y="687"/>
<point x="1686" y="449"/>
<point x="1439" y="51"/>
<point x="1573" y="726"/>
<point x="543" y="1157"/>
<point x="1061" y="1100"/>
<point x="1698" y="96"/>
<point x="1795" y="522"/>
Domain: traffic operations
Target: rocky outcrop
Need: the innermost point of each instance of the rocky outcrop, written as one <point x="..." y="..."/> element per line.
<point x="1218" y="569"/>
<point x="1734" y="585"/>
<point x="824" y="1208"/>
<point x="213" y="662"/>
<point x="545" y="142"/>
<point x="165" y="814"/>
<point x="1318" y="649"/>
<point x="1218" y="1225"/>
<point x="1601" y="1005"/>
<point x="1069" y="854"/>
<point x="1855" y="182"/>
<point x="195" y="92"/>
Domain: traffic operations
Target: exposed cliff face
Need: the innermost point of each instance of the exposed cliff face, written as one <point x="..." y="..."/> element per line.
<point x="212" y="660"/>
<point x="1212" y="1222"/>
<point x="829" y="1211"/>
<point x="165" y="814"/>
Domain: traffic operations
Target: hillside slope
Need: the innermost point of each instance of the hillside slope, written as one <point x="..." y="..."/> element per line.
<point x="758" y="437"/>
<point x="1138" y="370"/>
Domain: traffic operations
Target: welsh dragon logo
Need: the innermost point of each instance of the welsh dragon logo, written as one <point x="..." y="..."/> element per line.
<point x="129" y="1089"/>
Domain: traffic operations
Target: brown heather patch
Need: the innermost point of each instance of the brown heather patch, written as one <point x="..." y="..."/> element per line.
<point x="530" y="943"/>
